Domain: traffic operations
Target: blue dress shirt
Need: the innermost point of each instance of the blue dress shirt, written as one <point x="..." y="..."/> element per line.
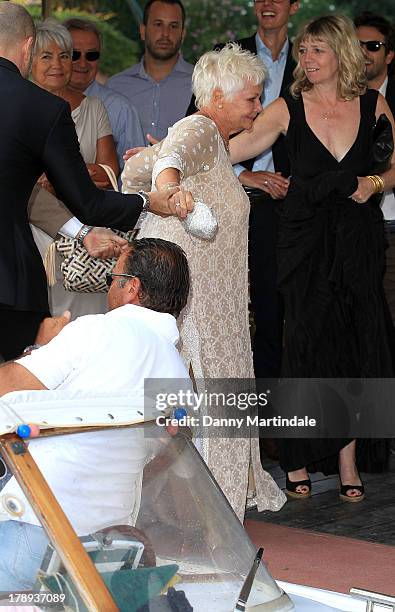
<point x="160" y="104"/>
<point x="124" y="119"/>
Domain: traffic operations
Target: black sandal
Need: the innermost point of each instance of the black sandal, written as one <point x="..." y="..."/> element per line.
<point x="344" y="489"/>
<point x="290" y="488"/>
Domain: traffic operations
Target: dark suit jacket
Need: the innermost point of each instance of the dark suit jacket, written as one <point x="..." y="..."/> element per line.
<point x="390" y="97"/>
<point x="390" y="93"/>
<point x="280" y="156"/>
<point x="37" y="135"/>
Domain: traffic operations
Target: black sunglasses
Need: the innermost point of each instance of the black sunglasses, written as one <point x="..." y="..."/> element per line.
<point x="111" y="275"/>
<point x="90" y="56"/>
<point x="372" y="45"/>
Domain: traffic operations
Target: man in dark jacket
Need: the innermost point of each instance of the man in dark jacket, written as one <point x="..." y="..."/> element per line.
<point x="265" y="180"/>
<point x="377" y="37"/>
<point x="37" y="135"/>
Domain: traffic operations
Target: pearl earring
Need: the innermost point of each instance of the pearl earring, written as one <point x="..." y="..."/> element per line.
<point x="219" y="105"/>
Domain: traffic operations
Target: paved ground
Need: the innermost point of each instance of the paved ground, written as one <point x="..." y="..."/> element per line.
<point x="372" y="520"/>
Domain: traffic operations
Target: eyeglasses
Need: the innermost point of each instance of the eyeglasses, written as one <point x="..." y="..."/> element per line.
<point x="90" y="56"/>
<point x="110" y="277"/>
<point x="372" y="45"/>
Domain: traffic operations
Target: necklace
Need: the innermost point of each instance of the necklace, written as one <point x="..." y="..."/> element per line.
<point x="331" y="111"/>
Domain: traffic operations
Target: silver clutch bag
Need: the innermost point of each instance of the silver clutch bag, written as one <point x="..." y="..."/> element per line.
<point x="201" y="222"/>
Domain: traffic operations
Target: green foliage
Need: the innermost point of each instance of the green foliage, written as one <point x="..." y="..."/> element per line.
<point x="119" y="52"/>
<point x="208" y="22"/>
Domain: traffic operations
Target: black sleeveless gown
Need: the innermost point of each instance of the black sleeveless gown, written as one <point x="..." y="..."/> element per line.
<point x="331" y="259"/>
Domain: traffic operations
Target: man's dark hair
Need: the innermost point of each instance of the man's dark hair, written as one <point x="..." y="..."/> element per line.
<point x="82" y="24"/>
<point x="383" y="25"/>
<point x="163" y="271"/>
<point x="150" y="3"/>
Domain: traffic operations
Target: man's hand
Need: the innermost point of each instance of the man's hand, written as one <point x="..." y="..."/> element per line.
<point x="104" y="243"/>
<point x="271" y="182"/>
<point x="51" y="326"/>
<point x="171" y="202"/>
<point x="152" y="140"/>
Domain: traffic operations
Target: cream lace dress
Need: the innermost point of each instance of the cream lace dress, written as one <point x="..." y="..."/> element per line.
<point x="214" y="325"/>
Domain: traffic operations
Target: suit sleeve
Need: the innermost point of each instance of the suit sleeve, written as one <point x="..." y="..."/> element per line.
<point x="47" y="212"/>
<point x="67" y="172"/>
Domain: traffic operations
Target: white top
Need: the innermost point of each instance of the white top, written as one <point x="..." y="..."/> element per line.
<point x="97" y="476"/>
<point x="388" y="201"/>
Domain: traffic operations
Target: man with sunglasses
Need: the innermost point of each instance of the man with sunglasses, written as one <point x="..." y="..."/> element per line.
<point x="110" y="354"/>
<point x="123" y="116"/>
<point x="377" y="38"/>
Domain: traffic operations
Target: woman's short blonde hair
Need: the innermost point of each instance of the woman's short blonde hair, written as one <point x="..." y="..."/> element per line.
<point x="338" y="32"/>
<point x="227" y="69"/>
<point x="51" y="31"/>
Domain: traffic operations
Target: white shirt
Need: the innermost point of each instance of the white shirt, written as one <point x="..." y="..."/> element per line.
<point x="388" y="201"/>
<point x="97" y="476"/>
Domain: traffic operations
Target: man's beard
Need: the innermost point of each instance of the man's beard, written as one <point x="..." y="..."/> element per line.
<point x="373" y="71"/>
<point x="163" y="54"/>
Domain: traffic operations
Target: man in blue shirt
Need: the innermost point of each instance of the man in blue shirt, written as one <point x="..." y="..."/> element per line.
<point x="160" y="84"/>
<point x="123" y="116"/>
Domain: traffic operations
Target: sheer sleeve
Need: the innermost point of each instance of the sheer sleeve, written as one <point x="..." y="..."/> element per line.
<point x="137" y="173"/>
<point x="191" y="147"/>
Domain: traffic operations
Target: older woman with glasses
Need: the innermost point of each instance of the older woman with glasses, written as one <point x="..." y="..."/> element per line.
<point x="52" y="69"/>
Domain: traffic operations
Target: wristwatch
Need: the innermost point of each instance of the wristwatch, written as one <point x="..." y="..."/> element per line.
<point x="84" y="231"/>
<point x="146" y="200"/>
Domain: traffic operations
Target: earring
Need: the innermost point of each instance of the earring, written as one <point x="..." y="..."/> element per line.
<point x="220" y="106"/>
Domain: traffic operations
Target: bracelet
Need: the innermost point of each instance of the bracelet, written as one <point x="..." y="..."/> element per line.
<point x="168" y="186"/>
<point x="146" y="200"/>
<point x="82" y="234"/>
<point x="378" y="183"/>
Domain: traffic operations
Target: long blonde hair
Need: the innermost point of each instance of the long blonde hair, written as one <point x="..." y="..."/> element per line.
<point x="339" y="33"/>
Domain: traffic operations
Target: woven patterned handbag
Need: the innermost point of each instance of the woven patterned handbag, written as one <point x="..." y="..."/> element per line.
<point x="81" y="272"/>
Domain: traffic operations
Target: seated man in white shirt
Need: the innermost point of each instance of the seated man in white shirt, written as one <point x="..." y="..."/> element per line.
<point x="96" y="476"/>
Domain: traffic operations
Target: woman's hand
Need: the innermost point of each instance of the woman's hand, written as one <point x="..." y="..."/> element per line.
<point x="182" y="203"/>
<point x="364" y="191"/>
<point x="272" y="183"/>
<point x="99" y="176"/>
<point x="45" y="184"/>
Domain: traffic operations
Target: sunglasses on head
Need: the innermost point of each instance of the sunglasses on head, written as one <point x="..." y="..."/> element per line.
<point x="372" y="45"/>
<point x="90" y="56"/>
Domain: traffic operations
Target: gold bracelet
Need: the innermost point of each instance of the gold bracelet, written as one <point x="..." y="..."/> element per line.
<point x="378" y="183"/>
<point x="168" y="186"/>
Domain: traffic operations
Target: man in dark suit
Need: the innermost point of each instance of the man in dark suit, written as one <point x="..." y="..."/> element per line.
<point x="37" y="135"/>
<point x="265" y="181"/>
<point x="377" y="37"/>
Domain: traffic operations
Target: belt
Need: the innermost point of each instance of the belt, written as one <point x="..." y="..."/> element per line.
<point x="253" y="193"/>
<point x="390" y="225"/>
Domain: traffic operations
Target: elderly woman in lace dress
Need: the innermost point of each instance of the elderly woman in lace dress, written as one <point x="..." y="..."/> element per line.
<point x="214" y="325"/>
